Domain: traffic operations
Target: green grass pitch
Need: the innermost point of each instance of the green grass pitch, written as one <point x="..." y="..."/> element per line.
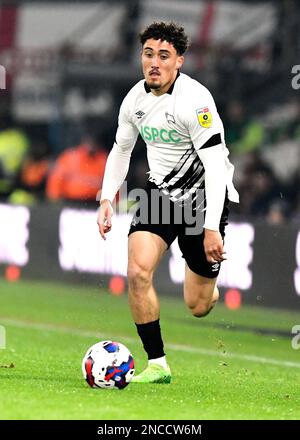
<point x="223" y="367"/>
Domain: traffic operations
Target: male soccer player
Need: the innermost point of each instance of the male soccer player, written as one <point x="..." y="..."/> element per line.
<point x="178" y="120"/>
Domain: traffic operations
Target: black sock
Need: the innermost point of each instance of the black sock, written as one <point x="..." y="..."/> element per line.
<point x="151" y="338"/>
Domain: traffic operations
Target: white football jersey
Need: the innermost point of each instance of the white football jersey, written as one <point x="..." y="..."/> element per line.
<point x="177" y="127"/>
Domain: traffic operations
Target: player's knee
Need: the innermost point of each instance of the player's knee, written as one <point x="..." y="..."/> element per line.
<point x="138" y="277"/>
<point x="201" y="310"/>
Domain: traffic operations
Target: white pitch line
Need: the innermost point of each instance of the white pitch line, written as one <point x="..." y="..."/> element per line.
<point x="175" y="347"/>
<point x="244" y="357"/>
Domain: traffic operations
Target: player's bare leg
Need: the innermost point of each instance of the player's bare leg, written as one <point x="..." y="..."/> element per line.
<point x="145" y="251"/>
<point x="200" y="293"/>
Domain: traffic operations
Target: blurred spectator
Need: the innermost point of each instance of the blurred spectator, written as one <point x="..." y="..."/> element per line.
<point x="13" y="149"/>
<point x="78" y="172"/>
<point x="258" y="188"/>
<point x="278" y="213"/>
<point x="241" y="133"/>
<point x="35" y="169"/>
<point x="33" y="175"/>
<point x="265" y="189"/>
<point x="285" y="122"/>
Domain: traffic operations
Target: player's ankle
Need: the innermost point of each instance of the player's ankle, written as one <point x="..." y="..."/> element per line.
<point x="162" y="361"/>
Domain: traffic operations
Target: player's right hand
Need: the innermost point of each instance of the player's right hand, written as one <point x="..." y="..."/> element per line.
<point x="105" y="213"/>
<point x="213" y="246"/>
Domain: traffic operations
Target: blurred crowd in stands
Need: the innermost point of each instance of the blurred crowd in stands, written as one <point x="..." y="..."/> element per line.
<point x="266" y="153"/>
<point x="30" y="173"/>
<point x="265" y="150"/>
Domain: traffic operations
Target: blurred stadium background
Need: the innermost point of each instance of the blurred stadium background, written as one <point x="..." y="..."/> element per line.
<point x="68" y="66"/>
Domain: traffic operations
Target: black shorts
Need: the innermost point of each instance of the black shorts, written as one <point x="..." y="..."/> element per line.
<point x="178" y="225"/>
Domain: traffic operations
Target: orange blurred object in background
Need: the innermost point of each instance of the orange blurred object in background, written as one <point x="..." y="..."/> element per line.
<point x="233" y="299"/>
<point x="117" y="285"/>
<point x="12" y="273"/>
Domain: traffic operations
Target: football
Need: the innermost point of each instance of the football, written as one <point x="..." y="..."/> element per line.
<point x="108" y="364"/>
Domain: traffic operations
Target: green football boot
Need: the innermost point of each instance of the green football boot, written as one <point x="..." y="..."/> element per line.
<point x="154" y="373"/>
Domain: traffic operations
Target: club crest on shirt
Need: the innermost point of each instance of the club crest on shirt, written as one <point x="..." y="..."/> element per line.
<point x="204" y="117"/>
<point x="170" y="118"/>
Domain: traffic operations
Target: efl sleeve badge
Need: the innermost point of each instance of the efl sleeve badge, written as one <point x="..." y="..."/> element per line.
<point x="204" y="117"/>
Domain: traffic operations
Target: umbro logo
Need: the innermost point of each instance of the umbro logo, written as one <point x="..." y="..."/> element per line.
<point x="140" y="114"/>
<point x="215" y="267"/>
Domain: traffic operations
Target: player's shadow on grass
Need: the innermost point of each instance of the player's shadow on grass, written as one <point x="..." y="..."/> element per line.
<point x="236" y="328"/>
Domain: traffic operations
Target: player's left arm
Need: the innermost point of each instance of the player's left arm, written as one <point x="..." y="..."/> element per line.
<point x="207" y="135"/>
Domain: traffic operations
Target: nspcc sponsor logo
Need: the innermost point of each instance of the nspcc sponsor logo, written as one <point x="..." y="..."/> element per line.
<point x="154" y="135"/>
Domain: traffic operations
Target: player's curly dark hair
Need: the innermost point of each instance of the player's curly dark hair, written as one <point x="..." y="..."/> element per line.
<point x="171" y="32"/>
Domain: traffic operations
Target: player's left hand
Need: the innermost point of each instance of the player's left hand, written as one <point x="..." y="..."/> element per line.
<point x="213" y="246"/>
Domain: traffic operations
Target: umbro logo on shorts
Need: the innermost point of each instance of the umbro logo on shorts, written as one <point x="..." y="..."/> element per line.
<point x="215" y="267"/>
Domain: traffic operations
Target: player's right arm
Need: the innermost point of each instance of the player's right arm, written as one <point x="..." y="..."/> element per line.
<point x="117" y="165"/>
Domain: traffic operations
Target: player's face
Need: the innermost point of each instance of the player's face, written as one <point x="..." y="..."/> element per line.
<point x="160" y="63"/>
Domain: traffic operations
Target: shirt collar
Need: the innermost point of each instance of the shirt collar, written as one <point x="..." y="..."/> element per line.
<point x="148" y="90"/>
